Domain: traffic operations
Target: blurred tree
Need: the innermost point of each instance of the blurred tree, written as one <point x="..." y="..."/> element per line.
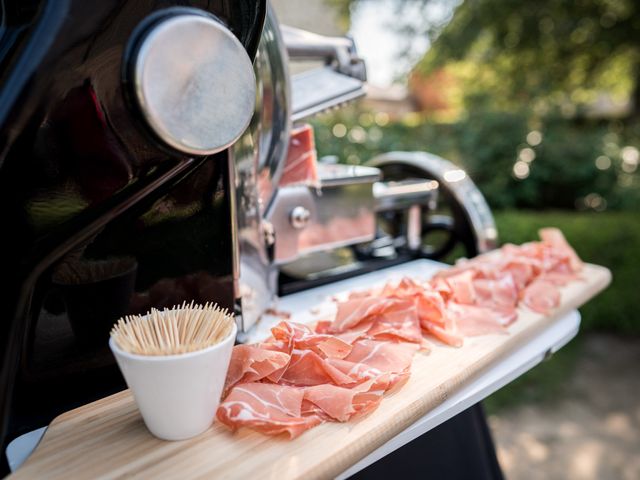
<point x="531" y="86"/>
<point x="547" y="52"/>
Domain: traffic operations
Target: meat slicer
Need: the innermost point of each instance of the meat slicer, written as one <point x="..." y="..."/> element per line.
<point x="331" y="221"/>
<point x="144" y="158"/>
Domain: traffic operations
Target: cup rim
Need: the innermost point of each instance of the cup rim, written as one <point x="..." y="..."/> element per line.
<point x="176" y="356"/>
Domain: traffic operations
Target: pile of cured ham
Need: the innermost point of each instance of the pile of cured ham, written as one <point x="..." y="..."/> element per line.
<point x="338" y="370"/>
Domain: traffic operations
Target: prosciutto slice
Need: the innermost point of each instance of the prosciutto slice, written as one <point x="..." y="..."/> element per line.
<point x="308" y="368"/>
<point x="342" y="404"/>
<point x="271" y="409"/>
<point x="500" y="292"/>
<point x="298" y="336"/>
<point x="303" y="376"/>
<point x="541" y="296"/>
<point x="378" y="317"/>
<point x="472" y="320"/>
<point x="359" y="309"/>
<point x="400" y="323"/>
<point x="554" y="238"/>
<point x="314" y="389"/>
<point x="385" y="356"/>
<point x="447" y="336"/>
<point x="462" y="287"/>
<point x="250" y="363"/>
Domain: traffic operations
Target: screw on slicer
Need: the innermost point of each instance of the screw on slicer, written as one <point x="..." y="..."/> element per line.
<point x="300" y="217"/>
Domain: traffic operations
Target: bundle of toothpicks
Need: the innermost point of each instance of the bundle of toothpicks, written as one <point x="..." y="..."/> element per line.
<point x="181" y="329"/>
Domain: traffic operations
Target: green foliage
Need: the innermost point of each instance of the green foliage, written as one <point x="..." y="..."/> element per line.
<point x="562" y="172"/>
<point x="488" y="145"/>
<point x="544" y="53"/>
<point x="548" y="48"/>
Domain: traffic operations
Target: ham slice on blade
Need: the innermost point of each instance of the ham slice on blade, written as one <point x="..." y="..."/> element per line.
<point x="340" y="370"/>
<point x="301" y="164"/>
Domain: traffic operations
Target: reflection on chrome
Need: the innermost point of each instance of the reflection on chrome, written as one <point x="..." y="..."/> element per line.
<point x="453" y="176"/>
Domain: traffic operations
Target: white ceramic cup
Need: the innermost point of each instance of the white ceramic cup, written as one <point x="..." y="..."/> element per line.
<point x="177" y="395"/>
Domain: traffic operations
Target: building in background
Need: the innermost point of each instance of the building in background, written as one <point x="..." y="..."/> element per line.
<point x="314" y="15"/>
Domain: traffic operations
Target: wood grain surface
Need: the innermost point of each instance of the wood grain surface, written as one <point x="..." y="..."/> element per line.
<point x="107" y="438"/>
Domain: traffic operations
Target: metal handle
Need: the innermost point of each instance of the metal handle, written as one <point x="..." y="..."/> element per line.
<point x="404" y="194"/>
<point x="339" y="52"/>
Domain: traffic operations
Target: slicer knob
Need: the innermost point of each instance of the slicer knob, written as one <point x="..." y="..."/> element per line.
<point x="300" y="217"/>
<point x="193" y="82"/>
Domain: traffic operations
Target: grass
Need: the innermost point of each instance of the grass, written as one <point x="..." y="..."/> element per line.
<point x="610" y="239"/>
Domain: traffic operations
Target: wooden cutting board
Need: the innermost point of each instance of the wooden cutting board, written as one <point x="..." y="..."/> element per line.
<point x="107" y="438"/>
